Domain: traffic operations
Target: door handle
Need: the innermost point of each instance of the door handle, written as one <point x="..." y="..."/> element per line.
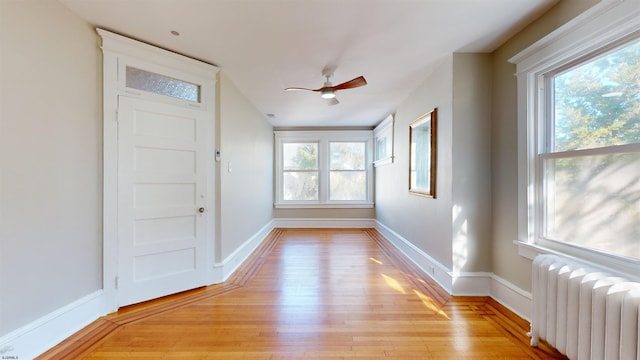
<point x="201" y="210"/>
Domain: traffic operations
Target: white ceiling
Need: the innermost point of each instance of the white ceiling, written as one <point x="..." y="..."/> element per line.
<point x="264" y="46"/>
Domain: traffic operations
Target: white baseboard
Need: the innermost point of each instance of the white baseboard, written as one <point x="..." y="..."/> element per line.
<point x="511" y="296"/>
<point x="224" y="269"/>
<point x="42" y="334"/>
<point x="37" y="337"/>
<point x="490" y="284"/>
<point x="323" y="223"/>
<point x="471" y="283"/>
<point x="430" y="266"/>
<point x="466" y="283"/>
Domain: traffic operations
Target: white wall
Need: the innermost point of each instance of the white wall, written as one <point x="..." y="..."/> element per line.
<point x="50" y="159"/>
<point x="246" y="185"/>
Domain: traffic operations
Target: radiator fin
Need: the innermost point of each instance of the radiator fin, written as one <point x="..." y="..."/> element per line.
<point x="585" y="313"/>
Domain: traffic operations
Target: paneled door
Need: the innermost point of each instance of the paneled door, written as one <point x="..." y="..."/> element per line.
<point x="161" y="199"/>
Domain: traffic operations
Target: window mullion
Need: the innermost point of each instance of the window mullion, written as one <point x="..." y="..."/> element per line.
<point x="605" y="150"/>
<point x="324" y="169"/>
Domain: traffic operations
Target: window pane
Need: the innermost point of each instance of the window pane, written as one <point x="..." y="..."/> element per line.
<point x="163" y="85"/>
<point x="594" y="201"/>
<point x="347" y="156"/>
<point x="300" y="185"/>
<point x="381" y="148"/>
<point x="598" y="103"/>
<point x="300" y="156"/>
<point x="348" y="185"/>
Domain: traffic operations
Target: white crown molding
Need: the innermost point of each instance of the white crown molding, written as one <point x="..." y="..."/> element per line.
<point x="122" y="45"/>
<point x="573" y="39"/>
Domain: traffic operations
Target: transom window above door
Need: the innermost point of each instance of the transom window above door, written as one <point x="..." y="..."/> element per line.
<point x="163" y="85"/>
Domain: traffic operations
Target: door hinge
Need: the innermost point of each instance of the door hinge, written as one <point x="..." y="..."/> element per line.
<point x="117" y="281"/>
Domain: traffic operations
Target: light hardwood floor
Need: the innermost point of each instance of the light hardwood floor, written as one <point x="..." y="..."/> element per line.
<point x="311" y="294"/>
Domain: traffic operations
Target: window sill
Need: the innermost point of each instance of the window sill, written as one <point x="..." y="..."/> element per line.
<point x="628" y="268"/>
<point x="363" y="205"/>
<point x="385" y="161"/>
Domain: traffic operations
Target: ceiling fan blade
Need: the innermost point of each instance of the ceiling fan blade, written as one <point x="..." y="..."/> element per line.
<point x="328" y="90"/>
<point x="353" y="83"/>
<point x="299" y="88"/>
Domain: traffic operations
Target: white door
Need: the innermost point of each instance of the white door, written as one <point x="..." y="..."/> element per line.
<point x="162" y="172"/>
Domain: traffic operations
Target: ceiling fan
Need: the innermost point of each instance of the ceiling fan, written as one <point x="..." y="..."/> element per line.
<point x="328" y="90"/>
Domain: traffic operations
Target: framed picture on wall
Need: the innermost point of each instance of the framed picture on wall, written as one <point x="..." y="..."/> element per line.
<point x="422" y="154"/>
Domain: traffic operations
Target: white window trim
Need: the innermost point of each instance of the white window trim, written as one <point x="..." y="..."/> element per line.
<point x="603" y="24"/>
<point x="131" y="53"/>
<point x="323" y="138"/>
<point x="384" y="131"/>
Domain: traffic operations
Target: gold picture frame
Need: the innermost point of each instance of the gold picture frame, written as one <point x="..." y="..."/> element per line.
<point x="423" y="154"/>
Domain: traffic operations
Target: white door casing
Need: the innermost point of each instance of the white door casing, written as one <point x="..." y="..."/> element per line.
<point x="161" y="199"/>
<point x="146" y="245"/>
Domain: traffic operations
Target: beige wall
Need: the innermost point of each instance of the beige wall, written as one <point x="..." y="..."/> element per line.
<point x="425" y="222"/>
<point x="453" y="228"/>
<point x="246" y="192"/>
<point x="51" y="160"/>
<point x="471" y="147"/>
<point x="504" y="167"/>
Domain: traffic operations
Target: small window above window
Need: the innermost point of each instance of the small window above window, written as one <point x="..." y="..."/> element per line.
<point x="162" y="85"/>
<point x="383" y="134"/>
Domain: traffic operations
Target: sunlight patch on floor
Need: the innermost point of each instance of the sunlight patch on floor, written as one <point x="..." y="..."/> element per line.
<point x="430" y="304"/>
<point x="393" y="283"/>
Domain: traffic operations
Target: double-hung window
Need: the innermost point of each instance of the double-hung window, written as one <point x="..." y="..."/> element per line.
<point x="579" y="137"/>
<point x="589" y="160"/>
<point x="324" y="168"/>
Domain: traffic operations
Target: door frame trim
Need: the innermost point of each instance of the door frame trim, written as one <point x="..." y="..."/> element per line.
<point x="118" y="51"/>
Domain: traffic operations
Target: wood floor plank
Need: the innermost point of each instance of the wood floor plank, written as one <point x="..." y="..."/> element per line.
<point x="312" y="294"/>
